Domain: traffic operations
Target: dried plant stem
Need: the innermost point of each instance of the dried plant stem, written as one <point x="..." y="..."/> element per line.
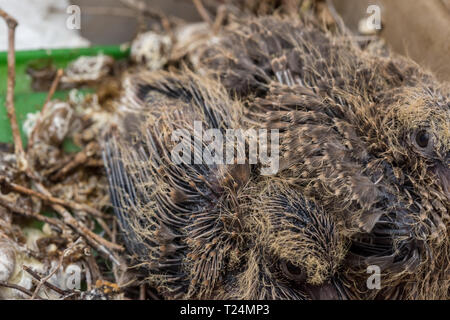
<point x="98" y="242"/>
<point x="80" y="158"/>
<point x="22" y="163"/>
<point x="101" y="245"/>
<point x="19" y="288"/>
<point x="94" y="240"/>
<point x="220" y="17"/>
<point x="53" y="88"/>
<point x="94" y="271"/>
<point x="45" y="279"/>
<point x="71" y="295"/>
<point x="6" y="203"/>
<point x="46" y="283"/>
<point x="202" y="11"/>
<point x="50" y="95"/>
<point x="50" y="199"/>
<point x="142" y="289"/>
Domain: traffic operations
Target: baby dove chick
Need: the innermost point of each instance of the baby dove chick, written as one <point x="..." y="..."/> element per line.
<point x="367" y="137"/>
<point x="206" y="230"/>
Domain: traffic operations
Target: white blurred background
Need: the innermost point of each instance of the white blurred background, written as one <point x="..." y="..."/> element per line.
<point x="42" y="23"/>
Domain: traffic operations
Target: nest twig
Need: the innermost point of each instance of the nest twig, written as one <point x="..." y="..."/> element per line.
<point x="45" y="282"/>
<point x="19" y="288"/>
<point x="12" y="24"/>
<point x="202" y="11"/>
<point x="53" y="88"/>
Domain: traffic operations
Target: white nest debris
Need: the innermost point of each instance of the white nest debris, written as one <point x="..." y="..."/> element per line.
<point x="30" y="122"/>
<point x="85" y="69"/>
<point x="54" y="124"/>
<point x="13" y="261"/>
<point x="7" y="260"/>
<point x="151" y="49"/>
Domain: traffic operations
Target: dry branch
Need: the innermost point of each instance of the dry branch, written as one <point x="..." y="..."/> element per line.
<point x="52" y="91"/>
<point x="22" y="163"/>
<point x="50" y="199"/>
<point x="45" y="279"/>
<point x="97" y="242"/>
<point x="81" y="158"/>
<point x="6" y="203"/>
<point x="202" y="11"/>
<point x="17" y="287"/>
<point x="46" y="283"/>
<point x="98" y="215"/>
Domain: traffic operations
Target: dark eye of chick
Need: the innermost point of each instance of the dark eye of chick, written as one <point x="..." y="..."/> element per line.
<point x="293" y="272"/>
<point x="422" y="138"/>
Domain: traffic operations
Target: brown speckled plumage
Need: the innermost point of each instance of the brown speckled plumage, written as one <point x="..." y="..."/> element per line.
<point x="367" y="137"/>
<point x="211" y="231"/>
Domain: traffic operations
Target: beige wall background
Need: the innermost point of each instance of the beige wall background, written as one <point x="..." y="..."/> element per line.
<point x="419" y="29"/>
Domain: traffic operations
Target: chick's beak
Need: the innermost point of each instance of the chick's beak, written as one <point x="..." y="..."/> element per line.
<point x="442" y="172"/>
<point x="327" y="291"/>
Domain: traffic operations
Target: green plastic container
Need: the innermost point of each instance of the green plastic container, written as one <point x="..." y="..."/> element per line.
<point x="26" y="100"/>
